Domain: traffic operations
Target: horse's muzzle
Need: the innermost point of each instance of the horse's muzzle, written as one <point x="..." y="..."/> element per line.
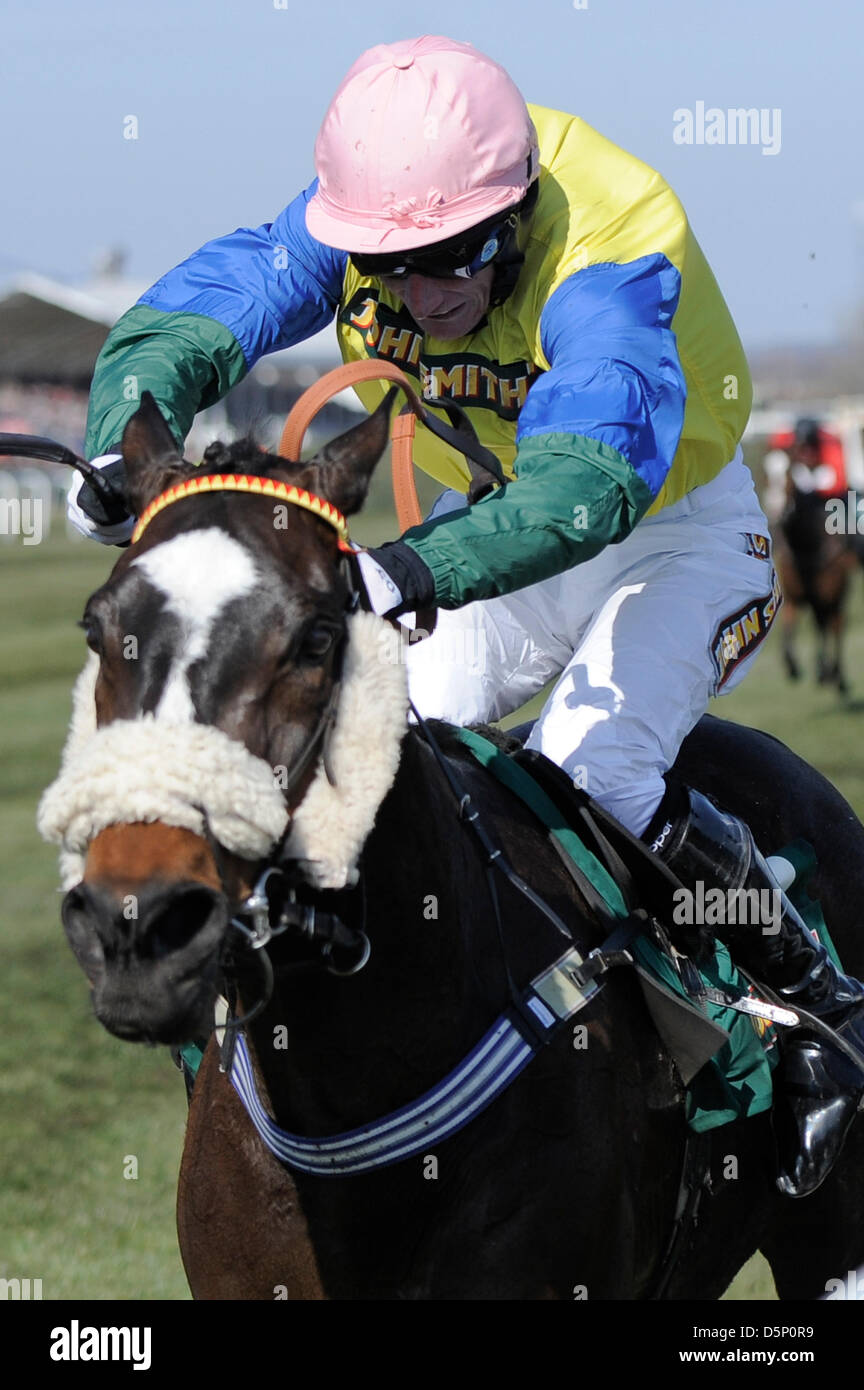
<point x="152" y="957"/>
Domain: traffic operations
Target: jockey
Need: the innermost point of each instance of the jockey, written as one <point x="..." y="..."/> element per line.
<point x="816" y="462"/>
<point x="809" y="459"/>
<point x="522" y="266"/>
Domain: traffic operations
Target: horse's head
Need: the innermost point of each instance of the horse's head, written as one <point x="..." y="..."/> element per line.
<point x="218" y="642"/>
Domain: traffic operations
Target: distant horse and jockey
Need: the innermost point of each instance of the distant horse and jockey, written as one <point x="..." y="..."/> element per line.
<point x="814" y="554"/>
<point x="570" y="1176"/>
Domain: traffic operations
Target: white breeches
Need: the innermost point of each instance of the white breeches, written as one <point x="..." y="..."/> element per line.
<point x="640" y="638"/>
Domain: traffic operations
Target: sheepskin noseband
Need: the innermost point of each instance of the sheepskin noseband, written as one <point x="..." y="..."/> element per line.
<point x="194" y="776"/>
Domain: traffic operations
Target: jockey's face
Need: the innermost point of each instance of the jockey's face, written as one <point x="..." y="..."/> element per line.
<point x="444" y="308"/>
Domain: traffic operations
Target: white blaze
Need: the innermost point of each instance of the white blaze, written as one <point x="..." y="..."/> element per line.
<point x="198" y="573"/>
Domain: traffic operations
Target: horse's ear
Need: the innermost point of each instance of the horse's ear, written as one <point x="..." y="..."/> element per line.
<point x="343" y="470"/>
<point x="150" y="455"/>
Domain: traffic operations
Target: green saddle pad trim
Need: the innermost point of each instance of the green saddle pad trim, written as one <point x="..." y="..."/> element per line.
<point x="736" y="1083"/>
<point x="191" y="1054"/>
<point x="802" y="856"/>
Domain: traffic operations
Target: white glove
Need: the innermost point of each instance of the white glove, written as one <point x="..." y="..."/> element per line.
<point x="384" y="595"/>
<point x="107" y="535"/>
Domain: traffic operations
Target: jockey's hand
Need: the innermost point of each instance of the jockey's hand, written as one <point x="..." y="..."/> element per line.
<point x="384" y="594"/>
<point x="396" y="579"/>
<point x="95" y="516"/>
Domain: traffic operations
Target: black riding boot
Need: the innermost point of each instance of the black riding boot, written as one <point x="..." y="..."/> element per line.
<point x="819" y="1086"/>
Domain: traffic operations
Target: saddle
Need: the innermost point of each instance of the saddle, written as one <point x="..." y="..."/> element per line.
<point x="705" y="1014"/>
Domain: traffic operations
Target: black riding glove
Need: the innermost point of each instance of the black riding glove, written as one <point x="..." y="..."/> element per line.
<point x="101" y="508"/>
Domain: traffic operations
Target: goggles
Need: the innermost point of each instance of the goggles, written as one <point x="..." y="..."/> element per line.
<point x="463" y="256"/>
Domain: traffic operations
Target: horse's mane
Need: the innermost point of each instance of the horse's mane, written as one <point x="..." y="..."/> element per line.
<point x="447" y="738"/>
<point x="246" y="455"/>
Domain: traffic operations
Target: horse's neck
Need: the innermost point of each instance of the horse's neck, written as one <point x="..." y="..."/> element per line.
<point x="360" y="1045"/>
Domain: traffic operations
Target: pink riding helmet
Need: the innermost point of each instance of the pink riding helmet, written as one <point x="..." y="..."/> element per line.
<point x="424" y="139"/>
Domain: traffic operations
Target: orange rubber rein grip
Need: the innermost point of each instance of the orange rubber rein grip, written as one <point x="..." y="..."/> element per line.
<point x="306" y="408"/>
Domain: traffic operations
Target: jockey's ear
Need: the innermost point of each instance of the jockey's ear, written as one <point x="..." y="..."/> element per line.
<point x="150" y="456"/>
<point x="343" y="469"/>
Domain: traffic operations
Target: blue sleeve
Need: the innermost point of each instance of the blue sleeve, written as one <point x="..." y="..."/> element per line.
<point x="614" y="371"/>
<point x="271" y="286"/>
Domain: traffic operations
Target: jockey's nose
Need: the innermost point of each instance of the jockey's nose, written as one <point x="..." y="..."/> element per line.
<point x="422" y="296"/>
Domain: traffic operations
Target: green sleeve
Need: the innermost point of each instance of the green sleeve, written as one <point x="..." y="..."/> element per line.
<point x="572" y="496"/>
<point x="188" y="361"/>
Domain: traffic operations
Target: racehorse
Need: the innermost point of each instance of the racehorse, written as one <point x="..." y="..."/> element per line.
<point x="814" y="567"/>
<point x="564" y="1187"/>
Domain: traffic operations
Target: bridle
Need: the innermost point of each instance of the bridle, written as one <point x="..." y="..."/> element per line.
<point x="254" y="917"/>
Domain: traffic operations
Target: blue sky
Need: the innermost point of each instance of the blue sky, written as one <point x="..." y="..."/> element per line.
<point x="229" y="95"/>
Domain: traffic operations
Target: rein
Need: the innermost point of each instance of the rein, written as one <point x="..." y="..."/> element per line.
<point x="484" y="467"/>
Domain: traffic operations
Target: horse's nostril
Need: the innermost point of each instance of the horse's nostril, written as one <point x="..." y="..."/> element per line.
<point x="73" y="902"/>
<point x="79" y="915"/>
<point x="181" y="917"/>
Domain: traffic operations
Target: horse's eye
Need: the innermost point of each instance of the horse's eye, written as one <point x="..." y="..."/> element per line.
<point x="92" y="634"/>
<point x="317" y="642"/>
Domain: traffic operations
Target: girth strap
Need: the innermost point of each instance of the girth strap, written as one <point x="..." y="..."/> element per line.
<point x="516" y="1036"/>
